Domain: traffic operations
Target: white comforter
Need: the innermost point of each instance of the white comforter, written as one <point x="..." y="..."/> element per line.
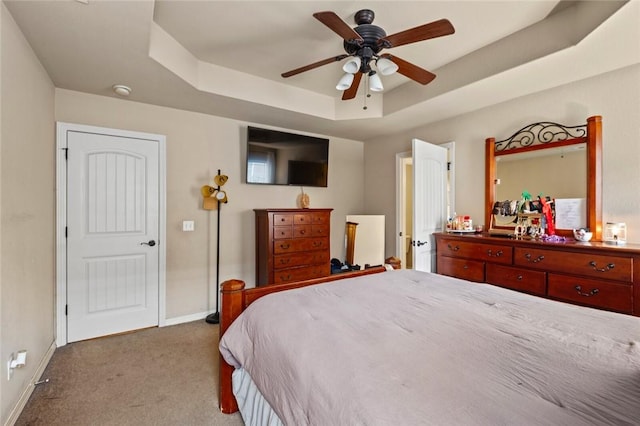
<point x="408" y="348"/>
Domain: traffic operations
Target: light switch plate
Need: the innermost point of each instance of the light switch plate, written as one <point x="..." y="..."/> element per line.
<point x="188" y="225"/>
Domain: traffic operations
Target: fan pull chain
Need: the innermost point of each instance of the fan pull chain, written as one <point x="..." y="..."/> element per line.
<point x="367" y="94"/>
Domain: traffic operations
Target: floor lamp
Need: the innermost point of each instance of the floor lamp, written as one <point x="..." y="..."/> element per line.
<point x="214" y="197"/>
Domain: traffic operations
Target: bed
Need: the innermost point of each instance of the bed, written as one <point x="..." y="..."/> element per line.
<point x="409" y="347"/>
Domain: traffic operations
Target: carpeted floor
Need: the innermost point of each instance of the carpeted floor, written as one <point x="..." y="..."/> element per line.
<point x="157" y="376"/>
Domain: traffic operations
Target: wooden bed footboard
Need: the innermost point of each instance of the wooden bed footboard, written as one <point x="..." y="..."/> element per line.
<point x="235" y="299"/>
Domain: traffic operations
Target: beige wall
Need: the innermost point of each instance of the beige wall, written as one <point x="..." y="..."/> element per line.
<point x="27" y="210"/>
<point x="615" y="96"/>
<point x="197" y="146"/>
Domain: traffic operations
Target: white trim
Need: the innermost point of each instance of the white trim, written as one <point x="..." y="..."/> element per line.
<point x="26" y="394"/>
<point x="61" y="241"/>
<point x="451" y="156"/>
<point x="61" y="218"/>
<point x="401" y="201"/>
<point x="162" y="225"/>
<point x="187" y="318"/>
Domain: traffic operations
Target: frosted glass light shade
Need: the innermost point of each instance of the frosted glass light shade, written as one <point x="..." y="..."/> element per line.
<point x="352" y="66"/>
<point x="375" y="84"/>
<point x="386" y="66"/>
<point x="345" y="82"/>
<point x="615" y="233"/>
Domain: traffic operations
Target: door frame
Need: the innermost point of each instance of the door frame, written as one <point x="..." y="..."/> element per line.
<point x="401" y="199"/>
<point x="402" y="158"/>
<point x="61" y="217"/>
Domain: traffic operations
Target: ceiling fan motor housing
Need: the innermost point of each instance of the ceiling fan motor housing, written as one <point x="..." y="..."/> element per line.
<point x="367" y="49"/>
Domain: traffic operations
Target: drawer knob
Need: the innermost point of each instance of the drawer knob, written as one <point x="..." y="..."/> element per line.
<point x="285" y="277"/>
<point x="453" y="248"/>
<point x="285" y="261"/>
<point x="496" y="254"/>
<point x="285" y="246"/>
<point x="589" y="294"/>
<point x="605" y="269"/>
<point x="536" y="260"/>
<point x="465" y="267"/>
<point x="519" y="277"/>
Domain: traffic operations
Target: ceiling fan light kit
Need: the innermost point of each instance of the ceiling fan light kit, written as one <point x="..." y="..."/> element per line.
<point x="375" y="83"/>
<point x="363" y="44"/>
<point x="345" y="82"/>
<point x="386" y="66"/>
<point x="352" y="66"/>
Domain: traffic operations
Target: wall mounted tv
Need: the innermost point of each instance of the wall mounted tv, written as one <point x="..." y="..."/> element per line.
<point x="281" y="158"/>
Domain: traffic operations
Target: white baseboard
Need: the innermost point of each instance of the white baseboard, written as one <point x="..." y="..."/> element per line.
<point x="15" y="413"/>
<point x="186" y="318"/>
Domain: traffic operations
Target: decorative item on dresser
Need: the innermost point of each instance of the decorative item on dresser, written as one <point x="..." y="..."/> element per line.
<point x="592" y="274"/>
<point x="292" y="245"/>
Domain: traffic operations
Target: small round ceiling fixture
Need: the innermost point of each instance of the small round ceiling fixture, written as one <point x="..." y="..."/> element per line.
<point x="122" y="90"/>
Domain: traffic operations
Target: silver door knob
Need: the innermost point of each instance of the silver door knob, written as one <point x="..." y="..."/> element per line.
<point x="149" y="243"/>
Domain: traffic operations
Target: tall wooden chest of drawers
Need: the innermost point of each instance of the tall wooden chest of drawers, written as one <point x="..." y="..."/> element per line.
<point x="591" y="274"/>
<point x="292" y="245"/>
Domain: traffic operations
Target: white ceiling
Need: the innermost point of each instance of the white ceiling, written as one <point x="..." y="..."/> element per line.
<point x="225" y="57"/>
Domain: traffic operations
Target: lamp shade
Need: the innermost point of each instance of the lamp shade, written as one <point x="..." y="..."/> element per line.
<point x="352" y="66"/>
<point x="615" y="233"/>
<point x="345" y="82"/>
<point x="375" y="84"/>
<point x="386" y="66"/>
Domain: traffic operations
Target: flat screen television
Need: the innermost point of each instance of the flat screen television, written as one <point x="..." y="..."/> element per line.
<point x="281" y="158"/>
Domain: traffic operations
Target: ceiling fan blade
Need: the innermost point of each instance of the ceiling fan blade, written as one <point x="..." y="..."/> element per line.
<point x="411" y="71"/>
<point x="424" y="32"/>
<point x="314" y="65"/>
<point x="338" y="26"/>
<point x="350" y="93"/>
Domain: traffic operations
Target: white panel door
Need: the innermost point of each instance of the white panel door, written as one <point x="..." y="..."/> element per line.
<point x="429" y="201"/>
<point x="112" y="233"/>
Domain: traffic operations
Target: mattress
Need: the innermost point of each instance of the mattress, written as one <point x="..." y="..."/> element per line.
<point x="409" y="347"/>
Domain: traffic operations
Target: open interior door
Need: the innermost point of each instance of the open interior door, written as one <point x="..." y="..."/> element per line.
<point x="429" y="201"/>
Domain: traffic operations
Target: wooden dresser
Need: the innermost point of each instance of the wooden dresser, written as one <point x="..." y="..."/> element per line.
<point x="292" y="245"/>
<point x="590" y="274"/>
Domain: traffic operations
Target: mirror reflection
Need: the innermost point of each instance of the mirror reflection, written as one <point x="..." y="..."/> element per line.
<point x="559" y="172"/>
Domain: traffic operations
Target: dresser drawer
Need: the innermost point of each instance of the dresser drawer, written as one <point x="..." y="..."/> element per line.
<point x="303" y="219"/>
<point x="299" y="259"/>
<point x="320" y="230"/>
<point x="282" y="219"/>
<point x="302" y="231"/>
<point x="490" y="252"/>
<point x="533" y="282"/>
<point x="591" y="265"/>
<point x="600" y="294"/>
<point x="471" y="270"/>
<point x="280" y="232"/>
<point x="320" y="219"/>
<point x="300" y="244"/>
<point x="300" y="274"/>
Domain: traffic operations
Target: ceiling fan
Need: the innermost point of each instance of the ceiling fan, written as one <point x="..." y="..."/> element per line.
<point x="364" y="43"/>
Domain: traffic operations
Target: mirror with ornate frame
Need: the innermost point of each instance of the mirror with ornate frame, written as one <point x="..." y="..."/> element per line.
<point x="532" y="140"/>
